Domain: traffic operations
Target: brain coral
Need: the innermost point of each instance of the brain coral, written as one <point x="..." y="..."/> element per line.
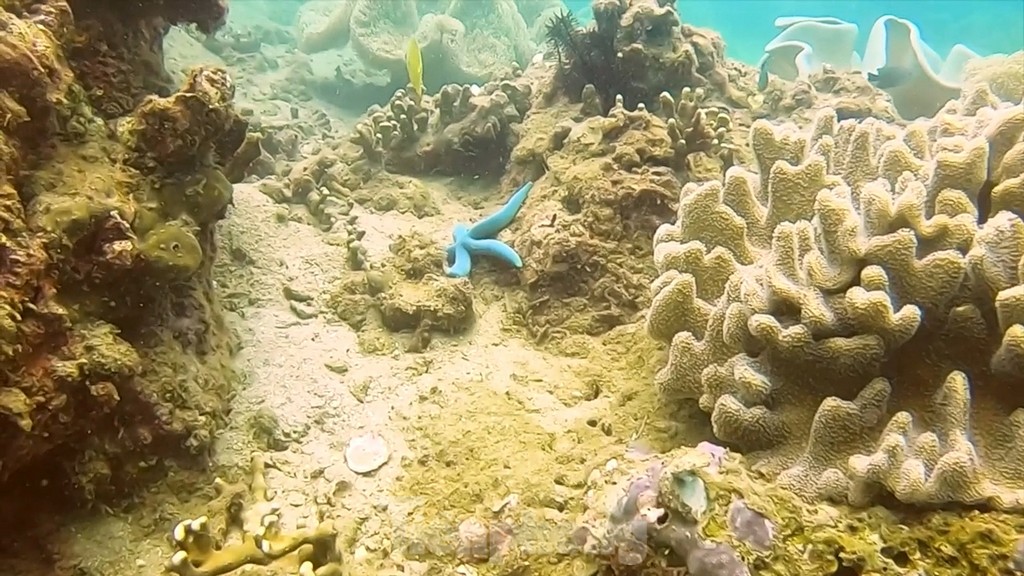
<point x="844" y="319"/>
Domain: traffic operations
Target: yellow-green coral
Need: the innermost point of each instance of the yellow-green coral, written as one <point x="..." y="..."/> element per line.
<point x="850" y="285"/>
<point x="248" y="528"/>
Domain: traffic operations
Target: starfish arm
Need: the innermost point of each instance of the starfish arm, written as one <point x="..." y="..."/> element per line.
<point x="459" y="231"/>
<point x="495" y="249"/>
<point x="462" y="262"/>
<point x="490" y="227"/>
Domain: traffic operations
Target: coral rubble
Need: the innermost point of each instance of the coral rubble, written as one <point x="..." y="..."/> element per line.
<point x="850" y="317"/>
<point x="698" y="505"/>
<point x="112" y="347"/>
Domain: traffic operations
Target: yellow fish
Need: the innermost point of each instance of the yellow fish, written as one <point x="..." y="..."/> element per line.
<point x="414" y="65"/>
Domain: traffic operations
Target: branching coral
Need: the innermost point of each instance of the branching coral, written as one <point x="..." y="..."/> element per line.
<point x="249" y="528"/>
<point x="111" y="343"/>
<point x="696" y="127"/>
<point x="464" y="130"/>
<point x="851" y="284"/>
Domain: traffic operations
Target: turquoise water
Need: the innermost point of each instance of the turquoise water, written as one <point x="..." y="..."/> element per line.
<point x="984" y="26"/>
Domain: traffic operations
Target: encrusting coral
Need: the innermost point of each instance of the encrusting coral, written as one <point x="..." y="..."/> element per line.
<point x="844" y="318"/>
<point x="249" y="528"/>
<point x="112" y="347"/>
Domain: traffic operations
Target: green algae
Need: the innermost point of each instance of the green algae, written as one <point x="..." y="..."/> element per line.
<point x="172" y="252"/>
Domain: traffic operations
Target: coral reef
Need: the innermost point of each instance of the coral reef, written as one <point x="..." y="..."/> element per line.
<point x="636" y="49"/>
<point x="696" y="506"/>
<point x="848" y="93"/>
<point x="1004" y="75"/>
<point x="119" y="69"/>
<point x="112" y="348"/>
<point x="249" y="528"/>
<point x="850" y="317"/>
<point x="463" y="130"/>
<point x="461" y="41"/>
<point x="610" y="180"/>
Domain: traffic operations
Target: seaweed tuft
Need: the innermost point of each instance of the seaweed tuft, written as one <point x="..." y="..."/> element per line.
<point x="585" y="56"/>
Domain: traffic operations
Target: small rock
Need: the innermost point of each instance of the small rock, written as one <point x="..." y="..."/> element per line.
<point x="334" y="472"/>
<point x="341" y="487"/>
<point x="479" y="542"/>
<point x="360" y="390"/>
<point x="715" y="560"/>
<point x="750" y="526"/>
<point x="303" y="311"/>
<point x="337" y="367"/>
<point x="366" y="453"/>
<point x="296" y="499"/>
<point x="296" y="294"/>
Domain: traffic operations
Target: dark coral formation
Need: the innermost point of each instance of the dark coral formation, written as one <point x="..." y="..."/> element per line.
<point x="112" y="347"/>
<point x="118" y="69"/>
<point x="636" y="49"/>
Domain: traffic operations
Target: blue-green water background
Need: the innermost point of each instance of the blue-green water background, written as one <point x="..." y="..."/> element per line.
<point x="985" y="26"/>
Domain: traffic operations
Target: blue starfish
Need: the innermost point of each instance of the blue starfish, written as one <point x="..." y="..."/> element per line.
<point x="480" y="238"/>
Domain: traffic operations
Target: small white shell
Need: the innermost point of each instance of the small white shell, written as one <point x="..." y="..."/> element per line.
<point x="474" y="90"/>
<point x="366" y="453"/>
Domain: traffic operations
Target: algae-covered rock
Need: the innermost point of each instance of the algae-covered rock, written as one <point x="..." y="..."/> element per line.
<point x="172" y="251"/>
<point x="113" y="351"/>
<point x="611" y="179"/>
<point x="433" y="303"/>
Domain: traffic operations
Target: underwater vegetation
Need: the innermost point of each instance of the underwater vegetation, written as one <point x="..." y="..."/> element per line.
<point x="584" y="56"/>
<point x="634" y="50"/>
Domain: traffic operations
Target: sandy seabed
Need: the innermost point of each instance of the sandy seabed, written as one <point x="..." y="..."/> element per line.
<point x="480" y="425"/>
